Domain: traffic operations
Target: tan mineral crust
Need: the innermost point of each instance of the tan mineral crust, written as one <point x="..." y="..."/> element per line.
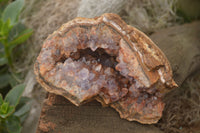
<point x="105" y="59"/>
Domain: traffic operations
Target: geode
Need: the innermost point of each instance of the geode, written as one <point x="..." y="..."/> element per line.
<point x="105" y="59"/>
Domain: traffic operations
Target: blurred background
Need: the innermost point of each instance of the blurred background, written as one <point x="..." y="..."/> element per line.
<point x="172" y="24"/>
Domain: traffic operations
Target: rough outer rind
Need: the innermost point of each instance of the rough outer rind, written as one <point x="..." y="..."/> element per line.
<point x="139" y="60"/>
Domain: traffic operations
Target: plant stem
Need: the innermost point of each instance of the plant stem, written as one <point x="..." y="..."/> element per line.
<point x="8" y="55"/>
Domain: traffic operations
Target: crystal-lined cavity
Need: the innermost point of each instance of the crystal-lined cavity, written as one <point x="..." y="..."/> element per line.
<point x="107" y="60"/>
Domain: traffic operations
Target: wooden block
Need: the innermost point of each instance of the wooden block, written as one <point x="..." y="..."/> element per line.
<point x="60" y="116"/>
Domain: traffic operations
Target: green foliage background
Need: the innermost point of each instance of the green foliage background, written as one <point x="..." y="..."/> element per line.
<point x="13" y="107"/>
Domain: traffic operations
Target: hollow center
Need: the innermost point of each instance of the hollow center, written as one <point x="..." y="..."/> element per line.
<point x="108" y="62"/>
<point x="95" y="73"/>
<point x="98" y="55"/>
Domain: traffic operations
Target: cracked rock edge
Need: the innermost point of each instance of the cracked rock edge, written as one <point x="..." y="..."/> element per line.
<point x="105" y="59"/>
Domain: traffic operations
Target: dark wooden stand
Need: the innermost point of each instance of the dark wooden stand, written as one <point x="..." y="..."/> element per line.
<point x="60" y="116"/>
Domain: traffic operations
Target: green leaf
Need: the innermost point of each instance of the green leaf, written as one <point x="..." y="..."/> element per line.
<point x="4" y="80"/>
<point x="11" y="110"/>
<point x="12" y="11"/>
<point x="13" y="82"/>
<point x="1" y="25"/>
<point x="5" y="29"/>
<point x="22" y="102"/>
<point x="3" y="61"/>
<point x="15" y="79"/>
<point x="15" y="94"/>
<point x="23" y="112"/>
<point x="23" y="108"/>
<point x="13" y="124"/>
<point x="1" y="99"/>
<point x="15" y="31"/>
<point x="21" y="38"/>
<point x="6" y="110"/>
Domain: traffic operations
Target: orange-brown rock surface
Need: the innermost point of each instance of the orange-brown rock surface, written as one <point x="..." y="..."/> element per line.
<point x="105" y="59"/>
